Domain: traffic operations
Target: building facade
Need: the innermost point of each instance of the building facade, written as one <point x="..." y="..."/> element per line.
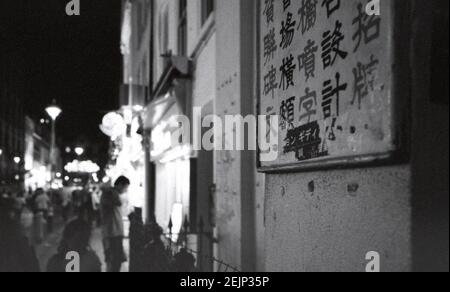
<point x="207" y="55"/>
<point x="12" y="118"/>
<point x="37" y="157"/>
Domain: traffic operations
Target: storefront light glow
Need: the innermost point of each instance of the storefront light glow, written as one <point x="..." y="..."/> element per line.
<point x="128" y="115"/>
<point x="82" y="167"/>
<point x="180" y="152"/>
<point x="113" y="125"/>
<point x="37" y="177"/>
<point x="177" y="220"/>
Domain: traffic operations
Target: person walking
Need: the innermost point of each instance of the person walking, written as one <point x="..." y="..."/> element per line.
<point x="155" y="257"/>
<point x="112" y="224"/>
<point x="19" y="205"/>
<point x="16" y="253"/>
<point x="41" y="202"/>
<point x="96" y="197"/>
<point x="66" y="201"/>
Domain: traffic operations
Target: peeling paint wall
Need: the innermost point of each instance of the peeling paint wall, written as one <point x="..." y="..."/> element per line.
<point x="328" y="221"/>
<point x="228" y="164"/>
<point x="240" y="190"/>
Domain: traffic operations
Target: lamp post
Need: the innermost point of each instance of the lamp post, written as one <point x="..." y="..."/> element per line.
<point x="53" y="111"/>
<point x="79" y="151"/>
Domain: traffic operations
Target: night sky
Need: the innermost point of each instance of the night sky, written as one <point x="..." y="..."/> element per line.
<point x="75" y="60"/>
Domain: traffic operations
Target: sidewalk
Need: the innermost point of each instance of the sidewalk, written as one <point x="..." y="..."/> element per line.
<point x="49" y="248"/>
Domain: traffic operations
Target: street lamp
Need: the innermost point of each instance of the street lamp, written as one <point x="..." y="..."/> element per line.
<point x="79" y="151"/>
<point x="53" y="112"/>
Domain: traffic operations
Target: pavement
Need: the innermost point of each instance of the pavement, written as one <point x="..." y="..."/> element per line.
<point x="49" y="246"/>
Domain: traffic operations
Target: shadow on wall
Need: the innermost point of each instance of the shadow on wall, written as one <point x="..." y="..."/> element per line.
<point x="430" y="160"/>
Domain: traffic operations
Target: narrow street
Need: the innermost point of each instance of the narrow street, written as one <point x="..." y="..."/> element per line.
<point x="49" y="246"/>
<point x="224" y="136"/>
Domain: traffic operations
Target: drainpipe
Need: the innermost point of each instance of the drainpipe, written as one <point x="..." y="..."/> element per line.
<point x="149" y="166"/>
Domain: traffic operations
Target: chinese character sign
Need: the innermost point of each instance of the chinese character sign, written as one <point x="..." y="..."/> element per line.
<point x="326" y="71"/>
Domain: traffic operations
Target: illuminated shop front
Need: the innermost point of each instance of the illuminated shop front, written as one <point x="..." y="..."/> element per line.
<point x="36" y="157"/>
<point x="172" y="168"/>
<point x="126" y="156"/>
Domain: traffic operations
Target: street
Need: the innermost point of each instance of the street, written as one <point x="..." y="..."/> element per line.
<point x="49" y="246"/>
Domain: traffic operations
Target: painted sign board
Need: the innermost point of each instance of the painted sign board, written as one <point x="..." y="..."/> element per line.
<point x="326" y="70"/>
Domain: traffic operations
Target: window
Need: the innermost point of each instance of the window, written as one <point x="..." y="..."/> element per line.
<point x="207" y="9"/>
<point x="182" y="28"/>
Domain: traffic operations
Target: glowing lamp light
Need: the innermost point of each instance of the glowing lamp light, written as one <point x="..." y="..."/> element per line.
<point x="17" y="160"/>
<point x="113" y="125"/>
<point x="138" y="108"/>
<point x="79" y="151"/>
<point x="53" y="111"/>
<point x="82" y="167"/>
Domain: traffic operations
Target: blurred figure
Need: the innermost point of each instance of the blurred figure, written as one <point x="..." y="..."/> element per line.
<point x="43" y="214"/>
<point x="112" y="224"/>
<point x="96" y="199"/>
<point x="76" y="238"/>
<point x="19" y="205"/>
<point x="184" y="262"/>
<point x="49" y="217"/>
<point x="87" y="206"/>
<point x="155" y="255"/>
<point x="77" y="202"/>
<point x="41" y="202"/>
<point x="66" y="201"/>
<point x="16" y="254"/>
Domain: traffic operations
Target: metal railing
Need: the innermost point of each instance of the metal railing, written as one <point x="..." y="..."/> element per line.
<point x="139" y="240"/>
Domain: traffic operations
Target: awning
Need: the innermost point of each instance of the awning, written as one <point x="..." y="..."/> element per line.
<point x="178" y="67"/>
<point x="156" y="110"/>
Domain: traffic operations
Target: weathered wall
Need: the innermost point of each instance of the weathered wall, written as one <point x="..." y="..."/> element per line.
<point x="228" y="164"/>
<point x="329" y="220"/>
<point x="204" y="89"/>
<point x="239" y="198"/>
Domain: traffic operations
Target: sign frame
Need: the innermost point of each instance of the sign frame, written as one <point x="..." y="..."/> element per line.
<point x="401" y="101"/>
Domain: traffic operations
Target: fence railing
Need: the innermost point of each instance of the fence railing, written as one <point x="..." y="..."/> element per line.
<point x="139" y="239"/>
